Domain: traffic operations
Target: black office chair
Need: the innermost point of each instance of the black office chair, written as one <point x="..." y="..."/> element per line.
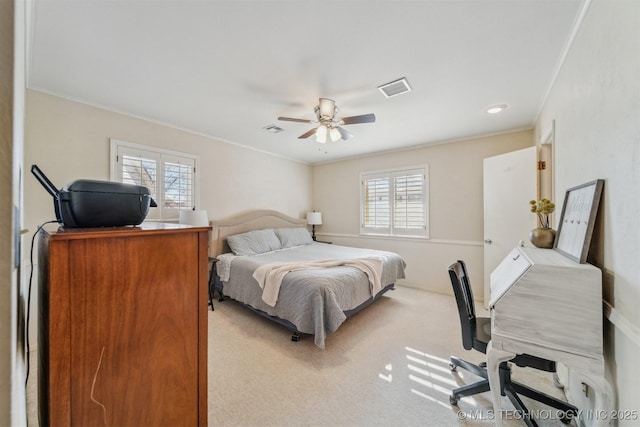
<point x="476" y="334"/>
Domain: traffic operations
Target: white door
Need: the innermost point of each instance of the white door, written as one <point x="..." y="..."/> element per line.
<point x="510" y="182"/>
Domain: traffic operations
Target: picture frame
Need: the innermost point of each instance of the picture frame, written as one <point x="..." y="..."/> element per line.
<point x="578" y="219"/>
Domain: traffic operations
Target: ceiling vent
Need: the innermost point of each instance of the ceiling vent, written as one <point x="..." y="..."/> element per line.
<point x="273" y="128"/>
<point x="396" y="87"/>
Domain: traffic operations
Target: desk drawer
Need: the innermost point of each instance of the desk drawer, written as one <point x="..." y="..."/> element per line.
<point x="507" y="273"/>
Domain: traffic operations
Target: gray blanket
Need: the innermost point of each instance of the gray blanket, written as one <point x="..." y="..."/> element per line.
<point x="313" y="300"/>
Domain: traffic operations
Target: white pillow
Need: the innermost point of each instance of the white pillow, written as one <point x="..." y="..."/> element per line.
<point x="254" y="242"/>
<point x="293" y="236"/>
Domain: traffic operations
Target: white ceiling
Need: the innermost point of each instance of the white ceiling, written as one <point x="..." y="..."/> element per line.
<point x="227" y="69"/>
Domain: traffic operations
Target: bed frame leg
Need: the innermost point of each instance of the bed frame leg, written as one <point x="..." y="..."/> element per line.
<point x="295" y="337"/>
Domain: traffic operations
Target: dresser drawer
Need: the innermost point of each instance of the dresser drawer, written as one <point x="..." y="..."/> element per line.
<point x="508" y="272"/>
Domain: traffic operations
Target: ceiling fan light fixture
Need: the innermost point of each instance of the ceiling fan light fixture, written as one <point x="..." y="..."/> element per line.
<point x="327" y="107"/>
<point x="328" y="126"/>
<point x="334" y="134"/>
<point x="321" y="134"/>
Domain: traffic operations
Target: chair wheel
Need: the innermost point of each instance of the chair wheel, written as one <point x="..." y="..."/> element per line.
<point x="452" y="366"/>
<point x="453" y="400"/>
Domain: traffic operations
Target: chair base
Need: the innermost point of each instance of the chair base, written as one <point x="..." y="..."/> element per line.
<point x="509" y="388"/>
<point x="468" y="389"/>
<point x="513" y="389"/>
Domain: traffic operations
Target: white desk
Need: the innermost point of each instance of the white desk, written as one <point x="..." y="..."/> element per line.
<point x="546" y="305"/>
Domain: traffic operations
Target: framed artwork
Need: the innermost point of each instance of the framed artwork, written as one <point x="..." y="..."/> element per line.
<point x="578" y="219"/>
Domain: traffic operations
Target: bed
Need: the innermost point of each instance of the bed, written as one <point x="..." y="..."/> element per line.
<point x="268" y="262"/>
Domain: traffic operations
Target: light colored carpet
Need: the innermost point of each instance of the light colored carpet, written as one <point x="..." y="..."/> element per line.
<point x="386" y="366"/>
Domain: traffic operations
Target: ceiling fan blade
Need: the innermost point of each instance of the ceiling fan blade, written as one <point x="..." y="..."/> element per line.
<point x="365" y="118"/>
<point x="345" y="134"/>
<point x="290" y="119"/>
<point x="308" y="133"/>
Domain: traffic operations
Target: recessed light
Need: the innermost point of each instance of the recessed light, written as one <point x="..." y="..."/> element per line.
<point x="497" y="108"/>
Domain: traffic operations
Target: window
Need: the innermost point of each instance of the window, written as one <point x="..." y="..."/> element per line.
<point x="170" y="176"/>
<point x="394" y="202"/>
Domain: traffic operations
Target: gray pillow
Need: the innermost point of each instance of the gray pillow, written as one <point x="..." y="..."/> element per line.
<point x="254" y="242"/>
<point x="293" y="236"/>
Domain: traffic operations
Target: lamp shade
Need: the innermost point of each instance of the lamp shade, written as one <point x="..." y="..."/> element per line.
<point x="314" y="218"/>
<point x="194" y="218"/>
<point x="334" y="134"/>
<point x="321" y="134"/>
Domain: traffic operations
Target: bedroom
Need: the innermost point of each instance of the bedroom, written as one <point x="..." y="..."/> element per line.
<point x="54" y="133"/>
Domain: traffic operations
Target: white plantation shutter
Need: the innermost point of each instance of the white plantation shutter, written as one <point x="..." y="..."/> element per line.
<point x="178" y="174"/>
<point x="395" y="202"/>
<point x="140" y="171"/>
<point x="376" y="208"/>
<point x="170" y="177"/>
<point x="409" y="203"/>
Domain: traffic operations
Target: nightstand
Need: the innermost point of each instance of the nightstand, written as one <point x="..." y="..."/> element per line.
<point x="211" y="283"/>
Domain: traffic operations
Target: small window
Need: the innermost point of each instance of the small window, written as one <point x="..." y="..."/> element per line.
<point x="170" y="176"/>
<point x="394" y="202"/>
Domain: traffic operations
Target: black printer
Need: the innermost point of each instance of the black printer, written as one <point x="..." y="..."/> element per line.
<point x="88" y="203"/>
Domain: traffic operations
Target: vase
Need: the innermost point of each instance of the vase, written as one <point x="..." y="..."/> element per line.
<point x="542" y="237"/>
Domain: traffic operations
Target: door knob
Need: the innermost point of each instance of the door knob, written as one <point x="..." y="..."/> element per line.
<point x="488" y="241"/>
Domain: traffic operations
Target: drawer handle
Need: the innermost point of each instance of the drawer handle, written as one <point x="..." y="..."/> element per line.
<point x="516" y="257"/>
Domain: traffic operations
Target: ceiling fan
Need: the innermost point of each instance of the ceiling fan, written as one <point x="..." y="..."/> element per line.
<point x="326" y="111"/>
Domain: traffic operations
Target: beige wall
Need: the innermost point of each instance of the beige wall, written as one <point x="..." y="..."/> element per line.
<point x="69" y="140"/>
<point x="455" y="212"/>
<point x="595" y="103"/>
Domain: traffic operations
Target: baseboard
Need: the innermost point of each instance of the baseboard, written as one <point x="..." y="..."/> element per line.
<point x="621" y="323"/>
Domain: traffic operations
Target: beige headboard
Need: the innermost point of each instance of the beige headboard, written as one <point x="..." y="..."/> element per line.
<point x="253" y="220"/>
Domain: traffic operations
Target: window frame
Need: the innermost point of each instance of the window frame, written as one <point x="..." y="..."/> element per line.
<point x="161" y="156"/>
<point x="393" y="230"/>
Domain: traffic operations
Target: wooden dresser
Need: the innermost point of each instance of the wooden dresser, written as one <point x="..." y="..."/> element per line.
<point x="123" y="326"/>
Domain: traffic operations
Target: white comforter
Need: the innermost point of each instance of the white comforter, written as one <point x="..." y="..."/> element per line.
<point x="270" y="276"/>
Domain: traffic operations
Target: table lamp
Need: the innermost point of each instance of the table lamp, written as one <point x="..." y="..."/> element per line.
<point x="196" y="218"/>
<point x="314" y="218"/>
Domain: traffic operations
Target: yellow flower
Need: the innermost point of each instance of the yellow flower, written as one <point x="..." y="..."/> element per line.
<point x="543" y="208"/>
